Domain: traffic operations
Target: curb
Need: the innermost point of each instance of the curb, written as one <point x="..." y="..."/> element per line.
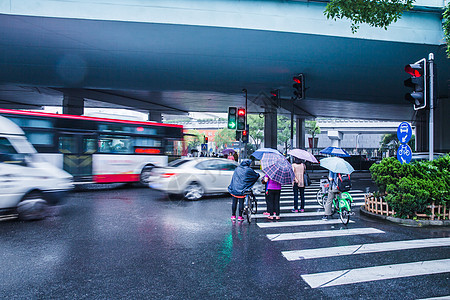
<point x="406" y="222"/>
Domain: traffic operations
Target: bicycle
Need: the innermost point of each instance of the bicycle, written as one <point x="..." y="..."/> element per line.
<point x="342" y="204"/>
<point x="250" y="205"/>
<point x="324" y="185"/>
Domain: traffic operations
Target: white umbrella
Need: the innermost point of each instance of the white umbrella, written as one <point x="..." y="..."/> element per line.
<point x="336" y="165"/>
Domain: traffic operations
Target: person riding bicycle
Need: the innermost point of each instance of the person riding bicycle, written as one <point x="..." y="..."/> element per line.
<point x="332" y="191"/>
<point x="244" y="177"/>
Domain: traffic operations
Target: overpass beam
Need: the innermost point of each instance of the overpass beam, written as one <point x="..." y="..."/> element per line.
<point x="335" y="137"/>
<point x="155" y="116"/>
<point x="270" y="127"/>
<point x="73" y="105"/>
<point x="300" y="132"/>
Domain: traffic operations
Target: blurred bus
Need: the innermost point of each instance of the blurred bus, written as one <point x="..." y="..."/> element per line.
<point x="100" y="150"/>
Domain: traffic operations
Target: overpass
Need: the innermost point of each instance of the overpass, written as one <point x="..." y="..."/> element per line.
<point x="166" y="56"/>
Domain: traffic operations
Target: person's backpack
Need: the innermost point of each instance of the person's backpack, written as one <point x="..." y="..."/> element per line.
<point x="344" y="183"/>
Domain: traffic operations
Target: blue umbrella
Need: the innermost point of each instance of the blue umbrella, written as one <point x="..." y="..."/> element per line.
<point x="335" y="151"/>
<point x="258" y="154"/>
<point x="277" y="168"/>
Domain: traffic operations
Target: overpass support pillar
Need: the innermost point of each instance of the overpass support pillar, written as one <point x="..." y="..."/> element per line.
<point x="300" y="130"/>
<point x="154" y="116"/>
<point x="335" y="137"/>
<point x="270" y="127"/>
<point x="73" y="105"/>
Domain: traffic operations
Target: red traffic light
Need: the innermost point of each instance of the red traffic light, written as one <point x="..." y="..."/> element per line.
<point x="414" y="70"/>
<point x="244" y="133"/>
<point x="241" y="112"/>
<point x="297" y="79"/>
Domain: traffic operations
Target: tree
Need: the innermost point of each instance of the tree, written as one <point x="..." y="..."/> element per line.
<point x="389" y="143"/>
<point x="193" y="139"/>
<point x="284" y="131"/>
<point x="256" y="129"/>
<point x="312" y="128"/>
<point x="224" y="137"/>
<point x="378" y="13"/>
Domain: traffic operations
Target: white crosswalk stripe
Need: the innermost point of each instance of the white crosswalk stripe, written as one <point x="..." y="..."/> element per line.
<point x="384" y="272"/>
<point x="364" y="248"/>
<point x="321" y="234"/>
<point x="346" y="276"/>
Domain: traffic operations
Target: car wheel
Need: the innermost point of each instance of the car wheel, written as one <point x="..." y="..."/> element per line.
<point x="32" y="207"/>
<point x="193" y="191"/>
<point x="146" y="172"/>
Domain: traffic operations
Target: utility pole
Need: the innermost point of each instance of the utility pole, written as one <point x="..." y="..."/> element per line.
<point x="246" y="113"/>
<point x="431" y="124"/>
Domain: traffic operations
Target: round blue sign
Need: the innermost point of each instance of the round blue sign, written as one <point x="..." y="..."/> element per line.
<point x="404" y="132"/>
<point x="404" y="154"/>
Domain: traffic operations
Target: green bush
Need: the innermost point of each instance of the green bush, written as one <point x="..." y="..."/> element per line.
<point x="410" y="188"/>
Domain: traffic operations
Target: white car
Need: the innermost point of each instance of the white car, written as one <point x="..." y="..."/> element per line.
<point x="27" y="186"/>
<point x="194" y="177"/>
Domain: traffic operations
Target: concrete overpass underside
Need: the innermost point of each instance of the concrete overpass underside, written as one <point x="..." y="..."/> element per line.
<point x="179" y="56"/>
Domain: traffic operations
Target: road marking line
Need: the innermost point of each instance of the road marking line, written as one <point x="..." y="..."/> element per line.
<point x="262" y="202"/>
<point x="321" y="234"/>
<point x="289" y="215"/>
<point x="350" y="276"/>
<point x="364" y="248"/>
<point x="300" y="223"/>
<point x="309" y="206"/>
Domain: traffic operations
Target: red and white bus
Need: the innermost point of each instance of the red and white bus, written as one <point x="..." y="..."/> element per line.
<point x="100" y="150"/>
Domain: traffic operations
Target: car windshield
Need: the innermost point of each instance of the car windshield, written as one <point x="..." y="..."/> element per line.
<point x="177" y="163"/>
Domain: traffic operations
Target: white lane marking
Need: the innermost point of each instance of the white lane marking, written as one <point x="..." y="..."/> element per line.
<point x="350" y="276"/>
<point x="308" y="207"/>
<point x="300" y="223"/>
<point x="437" y="298"/>
<point x="291" y="214"/>
<point x="262" y="202"/>
<point x="321" y="234"/>
<point x="364" y="248"/>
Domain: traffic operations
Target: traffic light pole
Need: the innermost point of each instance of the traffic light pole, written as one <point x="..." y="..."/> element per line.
<point x="246" y="113"/>
<point x="431" y="124"/>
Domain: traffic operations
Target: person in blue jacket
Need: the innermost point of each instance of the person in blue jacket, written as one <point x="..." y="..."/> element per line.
<point x="244" y="177"/>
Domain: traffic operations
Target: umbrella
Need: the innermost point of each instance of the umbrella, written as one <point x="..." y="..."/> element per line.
<point x="258" y="154"/>
<point x="228" y="151"/>
<point x="336" y="165"/>
<point x="302" y="154"/>
<point x="335" y="151"/>
<point x="277" y="168"/>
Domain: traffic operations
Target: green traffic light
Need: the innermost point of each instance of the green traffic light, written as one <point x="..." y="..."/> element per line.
<point x="231" y="125"/>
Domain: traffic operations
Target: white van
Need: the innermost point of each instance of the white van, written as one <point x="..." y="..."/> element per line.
<point x="27" y="186"/>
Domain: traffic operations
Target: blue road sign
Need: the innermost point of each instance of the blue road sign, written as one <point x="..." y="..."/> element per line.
<point x="404" y="132"/>
<point x="404" y="154"/>
<point x="204" y="147"/>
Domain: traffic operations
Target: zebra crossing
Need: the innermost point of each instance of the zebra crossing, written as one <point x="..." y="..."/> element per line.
<point x="309" y="226"/>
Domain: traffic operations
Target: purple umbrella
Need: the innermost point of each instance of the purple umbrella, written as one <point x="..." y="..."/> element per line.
<point x="302" y="154"/>
<point x="277" y="168"/>
<point x="228" y="151"/>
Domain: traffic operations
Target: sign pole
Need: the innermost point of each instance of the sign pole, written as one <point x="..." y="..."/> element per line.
<point x="246" y="113"/>
<point x="431" y="124"/>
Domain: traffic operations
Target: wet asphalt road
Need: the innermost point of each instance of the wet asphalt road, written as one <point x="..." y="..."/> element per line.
<point x="135" y="243"/>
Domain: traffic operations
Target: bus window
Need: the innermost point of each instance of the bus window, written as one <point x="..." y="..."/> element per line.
<point x="68" y="144"/>
<point x="6" y="147"/>
<point x="147" y="142"/>
<point x="89" y="145"/>
<point x="34" y="123"/>
<point x="115" y="144"/>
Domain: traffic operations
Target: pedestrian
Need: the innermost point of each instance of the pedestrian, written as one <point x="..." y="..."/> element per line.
<point x="332" y="191"/>
<point x="230" y="156"/>
<point x="235" y="155"/>
<point x="244" y="177"/>
<point x="273" y="191"/>
<point x="299" y="168"/>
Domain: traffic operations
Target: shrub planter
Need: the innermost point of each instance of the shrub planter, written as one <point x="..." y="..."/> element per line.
<point x="379" y="208"/>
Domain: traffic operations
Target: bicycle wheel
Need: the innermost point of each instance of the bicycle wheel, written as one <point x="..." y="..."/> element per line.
<point x="248" y="210"/>
<point x="323" y="200"/>
<point x="319" y="196"/>
<point x="344" y="215"/>
<point x="254" y="204"/>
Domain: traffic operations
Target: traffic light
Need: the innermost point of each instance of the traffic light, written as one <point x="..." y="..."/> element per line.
<point x="232" y="117"/>
<point x="418" y="82"/>
<point x="206" y="140"/>
<point x="245" y="136"/>
<point x="299" y="86"/>
<point x="238" y="135"/>
<point x="241" y="119"/>
<point x="275" y="94"/>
